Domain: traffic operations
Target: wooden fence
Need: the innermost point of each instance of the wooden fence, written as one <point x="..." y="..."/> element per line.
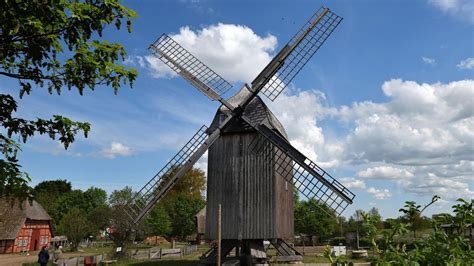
<point x="158" y="253"/>
<point x="79" y="261"/>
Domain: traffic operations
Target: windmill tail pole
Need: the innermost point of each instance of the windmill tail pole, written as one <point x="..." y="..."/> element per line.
<point x="219" y="234"/>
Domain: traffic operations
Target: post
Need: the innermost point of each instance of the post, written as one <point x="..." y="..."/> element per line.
<point x="219" y="235"/>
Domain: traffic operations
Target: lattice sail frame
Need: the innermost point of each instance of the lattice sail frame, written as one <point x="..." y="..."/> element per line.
<point x="281" y="72"/>
<point x="179" y="60"/>
<point x="309" y="185"/>
<point x="326" y="21"/>
<point x="143" y="198"/>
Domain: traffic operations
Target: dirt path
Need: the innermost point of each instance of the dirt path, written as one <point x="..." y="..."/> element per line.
<point x="18" y="259"/>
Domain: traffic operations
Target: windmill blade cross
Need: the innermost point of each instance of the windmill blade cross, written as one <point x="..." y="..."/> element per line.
<point x="164" y="180"/>
<point x="310" y="179"/>
<point x="294" y="55"/>
<point x="191" y="68"/>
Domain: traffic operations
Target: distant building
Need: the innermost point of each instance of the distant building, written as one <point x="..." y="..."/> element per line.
<point x="201" y="225"/>
<point x="25" y="227"/>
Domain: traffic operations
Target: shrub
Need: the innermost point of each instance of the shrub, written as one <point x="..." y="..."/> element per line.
<point x="338" y="240"/>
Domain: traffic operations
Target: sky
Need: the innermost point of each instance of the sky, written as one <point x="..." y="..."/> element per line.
<point x="386" y="106"/>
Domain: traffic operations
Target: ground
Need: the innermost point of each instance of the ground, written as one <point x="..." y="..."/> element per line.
<point x="312" y="255"/>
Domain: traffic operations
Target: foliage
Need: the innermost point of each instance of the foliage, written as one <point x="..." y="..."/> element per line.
<point x="439" y="248"/>
<point x="99" y="218"/>
<point x="47" y="192"/>
<point x="312" y="219"/>
<point x="193" y="184"/>
<point x="75" y="226"/>
<point x="338" y="240"/>
<point x="182" y="211"/>
<point x="54" y="45"/>
<point x="121" y="197"/>
<point x="85" y="201"/>
<point x="118" y="200"/>
<point x="159" y="222"/>
<point x="413" y="214"/>
<point x="180" y="204"/>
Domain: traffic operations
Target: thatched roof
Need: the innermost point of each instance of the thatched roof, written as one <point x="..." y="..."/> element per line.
<point x="257" y="110"/>
<point x="13" y="216"/>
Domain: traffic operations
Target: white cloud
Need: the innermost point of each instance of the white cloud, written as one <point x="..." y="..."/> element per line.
<point x="463" y="9"/>
<point x="379" y="193"/>
<point x="351" y="182"/>
<point x="385" y="172"/>
<point x="421" y="124"/>
<point x="116" y="149"/>
<point x="429" y="61"/>
<point x="421" y="132"/>
<point x="299" y="112"/>
<point x="234" y="51"/>
<point x="467" y="63"/>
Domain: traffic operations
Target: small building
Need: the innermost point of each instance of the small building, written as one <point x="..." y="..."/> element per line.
<point x="201" y="225"/>
<point x="23" y="228"/>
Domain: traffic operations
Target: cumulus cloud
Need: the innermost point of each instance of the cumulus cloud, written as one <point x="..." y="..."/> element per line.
<point x="299" y="112"/>
<point x="379" y="193"/>
<point x="463" y="9"/>
<point x="385" y="172"/>
<point x="351" y="182"/>
<point x="421" y="124"/>
<point x="422" y="132"/>
<point x="235" y="52"/>
<point x="429" y="61"/>
<point x="467" y="63"/>
<point x="116" y="149"/>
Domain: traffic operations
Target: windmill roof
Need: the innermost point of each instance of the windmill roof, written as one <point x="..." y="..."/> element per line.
<point x="13" y="216"/>
<point x="256" y="110"/>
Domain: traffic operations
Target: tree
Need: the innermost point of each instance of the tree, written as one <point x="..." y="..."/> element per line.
<point x="375" y="215"/>
<point x="118" y="200"/>
<point x="358" y="218"/>
<point x="56" y="45"/>
<point x="75" y="226"/>
<point x="99" y="218"/>
<point x="85" y="201"/>
<point x="182" y="203"/>
<point x="192" y="184"/>
<point x="313" y="218"/>
<point x="121" y="197"/>
<point x="47" y="192"/>
<point x="158" y="222"/>
<point x="413" y="213"/>
<point x="182" y="210"/>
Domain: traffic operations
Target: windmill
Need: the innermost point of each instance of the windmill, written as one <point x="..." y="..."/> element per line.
<point x="252" y="168"/>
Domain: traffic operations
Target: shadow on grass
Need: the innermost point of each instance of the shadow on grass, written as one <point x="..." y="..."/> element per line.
<point x="167" y="262"/>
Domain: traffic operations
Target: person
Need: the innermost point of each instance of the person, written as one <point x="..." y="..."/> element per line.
<point x="57" y="253"/>
<point x="43" y="256"/>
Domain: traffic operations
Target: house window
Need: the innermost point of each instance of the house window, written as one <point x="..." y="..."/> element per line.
<point x="19" y="243"/>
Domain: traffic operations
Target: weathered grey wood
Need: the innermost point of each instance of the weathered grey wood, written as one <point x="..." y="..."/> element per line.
<point x="257" y="203"/>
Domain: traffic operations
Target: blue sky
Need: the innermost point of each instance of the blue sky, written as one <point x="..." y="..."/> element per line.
<point x="385" y="106"/>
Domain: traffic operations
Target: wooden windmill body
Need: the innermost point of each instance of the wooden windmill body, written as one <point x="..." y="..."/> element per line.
<point x="256" y="200"/>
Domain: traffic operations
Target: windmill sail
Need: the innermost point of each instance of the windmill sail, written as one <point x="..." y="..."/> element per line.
<point x="305" y="175"/>
<point x="164" y="180"/>
<point x="291" y="59"/>
<point x="189" y="67"/>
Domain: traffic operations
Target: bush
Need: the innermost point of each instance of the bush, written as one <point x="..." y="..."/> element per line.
<point x="338" y="240"/>
<point x="364" y="242"/>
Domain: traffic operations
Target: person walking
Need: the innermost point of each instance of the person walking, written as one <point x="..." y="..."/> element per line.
<point x="43" y="256"/>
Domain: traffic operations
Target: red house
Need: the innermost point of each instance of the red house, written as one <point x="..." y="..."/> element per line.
<point x="22" y="228"/>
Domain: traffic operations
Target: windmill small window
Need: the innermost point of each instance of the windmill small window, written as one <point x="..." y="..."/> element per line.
<point x="222" y="118"/>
